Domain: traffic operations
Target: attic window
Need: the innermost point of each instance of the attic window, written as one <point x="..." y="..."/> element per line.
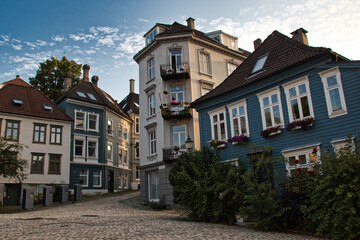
<point x="48" y="107"/>
<point x="91" y="96"/>
<point x="259" y="64"/>
<point x="81" y="94"/>
<point x="17" y="102"/>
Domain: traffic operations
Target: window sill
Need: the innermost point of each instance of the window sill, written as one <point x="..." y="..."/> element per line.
<point x="56" y="144"/>
<point x="275" y="133"/>
<point x="151" y="80"/>
<point x="338" y="113"/>
<point x="206" y="74"/>
<point x="152" y="116"/>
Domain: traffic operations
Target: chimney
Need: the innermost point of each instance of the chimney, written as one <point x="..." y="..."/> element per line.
<point x="67" y="82"/>
<point x="86" y="69"/>
<point x="257" y="43"/>
<point x="191" y="23"/>
<point x="95" y="80"/>
<point x="132" y="85"/>
<point x="300" y="36"/>
<point x="18" y="76"/>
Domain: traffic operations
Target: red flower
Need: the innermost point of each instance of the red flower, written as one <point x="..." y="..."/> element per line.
<point x="298" y="170"/>
<point x="286" y="171"/>
<point x="311" y="172"/>
<point x="314" y="150"/>
<point x="296" y="161"/>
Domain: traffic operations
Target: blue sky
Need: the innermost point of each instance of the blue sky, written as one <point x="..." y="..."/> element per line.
<point x="106" y="34"/>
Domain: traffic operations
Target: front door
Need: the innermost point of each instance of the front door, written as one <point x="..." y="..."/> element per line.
<point x="110" y="181"/>
<point x="12" y="194"/>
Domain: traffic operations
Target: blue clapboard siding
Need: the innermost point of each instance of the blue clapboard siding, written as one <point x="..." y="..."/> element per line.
<point x="324" y="129"/>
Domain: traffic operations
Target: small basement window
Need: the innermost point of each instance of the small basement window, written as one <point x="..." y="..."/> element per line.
<point x="259" y="64"/>
<point x="17" y="102"/>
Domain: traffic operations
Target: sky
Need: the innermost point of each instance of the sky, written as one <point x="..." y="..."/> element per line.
<point x="107" y="34"/>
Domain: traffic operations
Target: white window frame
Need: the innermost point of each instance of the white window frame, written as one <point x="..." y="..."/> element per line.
<point x="83" y="146"/>
<point x="120" y="131"/>
<point x="176" y="92"/>
<point x="335" y="71"/>
<point x="137" y="125"/>
<point x="96" y="124"/>
<point x="151" y="104"/>
<point x="268" y="94"/>
<point x="99" y="176"/>
<point x="217" y="113"/>
<point x="296" y="152"/>
<point x="84" y="121"/>
<point x="96" y="147"/>
<point x="112" y="127"/>
<point x="109" y="160"/>
<point x="125" y="181"/>
<point x="121" y="179"/>
<point x="179" y="136"/>
<point x="152" y="142"/>
<point x="230" y="67"/>
<point x="84" y="175"/>
<point x="237" y="105"/>
<point x="149" y="186"/>
<point x="137" y="142"/>
<point x="295" y="84"/>
<point x="120" y="157"/>
<point x="341" y="143"/>
<point x="151" y="69"/>
<point x="178" y="65"/>
<point x="204" y="62"/>
<point x="126" y="156"/>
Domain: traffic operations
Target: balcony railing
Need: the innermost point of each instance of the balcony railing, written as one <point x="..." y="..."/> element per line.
<point x="175" y="111"/>
<point x="175" y="71"/>
<point x="171" y="154"/>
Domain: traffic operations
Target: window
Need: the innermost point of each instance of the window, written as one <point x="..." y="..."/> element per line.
<point x="334" y="94"/>
<point x="110" y="127"/>
<point x="125" y="133"/>
<point x="121" y="180"/>
<point x="39" y="133"/>
<point x="206" y="86"/>
<point x="259" y="64"/>
<point x="81" y="94"/>
<point x="79" y="147"/>
<point x="218" y="123"/>
<point x="47" y="107"/>
<point x="151" y="69"/>
<point x="125" y="181"/>
<point x="153" y="186"/>
<point x="175" y="59"/>
<point x="84" y="176"/>
<point x="54" y="163"/>
<point x="91" y="96"/>
<point x="152" y="140"/>
<point x="126" y="157"/>
<point x="137" y="125"/>
<point x="177" y="93"/>
<point x="204" y="62"/>
<point x="179" y="136"/>
<point x="271" y="110"/>
<point x="120" y="131"/>
<point x="231" y="67"/>
<point x="17" y="102"/>
<point x="343" y="145"/>
<point x="55" y="134"/>
<point x="93" y="122"/>
<point x="97" y="178"/>
<point x="37" y="163"/>
<point x="109" y="152"/>
<point x="12" y="130"/>
<point x="239" y="120"/>
<point x="302" y="158"/>
<point x="151" y="37"/>
<point x="120" y="154"/>
<point x="79" y="120"/>
<point x="137" y="149"/>
<point x="151" y="99"/>
<point x="137" y="172"/>
<point x="92" y="148"/>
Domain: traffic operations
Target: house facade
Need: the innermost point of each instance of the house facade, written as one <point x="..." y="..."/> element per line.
<point x="100" y="137"/>
<point x="178" y="65"/>
<point x="130" y="106"/>
<point x="300" y="100"/>
<point x="30" y="118"/>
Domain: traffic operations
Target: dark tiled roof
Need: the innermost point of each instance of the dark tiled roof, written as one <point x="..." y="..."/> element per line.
<point x="33" y="101"/>
<point x="283" y="53"/>
<point x="129" y="102"/>
<point x="102" y="98"/>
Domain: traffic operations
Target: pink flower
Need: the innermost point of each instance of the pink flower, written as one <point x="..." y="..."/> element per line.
<point x="314" y="150"/>
<point x="220" y="195"/>
<point x="296" y="161"/>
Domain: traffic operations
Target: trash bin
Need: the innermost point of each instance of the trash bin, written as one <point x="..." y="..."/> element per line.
<point x="64" y="193"/>
<point x="48" y="195"/>
<point x="28" y="198"/>
<point x="77" y="192"/>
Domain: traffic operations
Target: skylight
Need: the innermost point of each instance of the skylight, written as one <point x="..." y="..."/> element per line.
<point x="259" y="64"/>
<point x="17" y="102"/>
<point x="81" y="94"/>
<point x="48" y="107"/>
<point x="124" y="106"/>
<point x="91" y="96"/>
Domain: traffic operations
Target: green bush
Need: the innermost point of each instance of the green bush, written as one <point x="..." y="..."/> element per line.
<point x="207" y="189"/>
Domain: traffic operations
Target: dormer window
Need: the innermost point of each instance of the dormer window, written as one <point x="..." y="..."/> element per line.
<point x="48" y="108"/>
<point x="91" y="96"/>
<point x="81" y="94"/>
<point x="259" y="64"/>
<point x="17" y="102"/>
<point x="151" y="37"/>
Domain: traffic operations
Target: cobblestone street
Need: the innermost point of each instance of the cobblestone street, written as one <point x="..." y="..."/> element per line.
<point x="119" y="217"/>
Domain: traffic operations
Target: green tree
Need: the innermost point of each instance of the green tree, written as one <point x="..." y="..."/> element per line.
<point x="10" y="165"/>
<point x="50" y="76"/>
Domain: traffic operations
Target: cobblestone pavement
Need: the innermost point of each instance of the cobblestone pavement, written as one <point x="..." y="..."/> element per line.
<point x="119" y="217"/>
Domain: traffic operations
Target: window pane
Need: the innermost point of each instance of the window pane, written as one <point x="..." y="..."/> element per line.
<point x="242" y="110"/>
<point x="268" y="117"/>
<point x="222" y="130"/>
<point x="277" y="119"/>
<point x="234" y="112"/>
<point x="305" y="106"/>
<point x="332" y="81"/>
<point x="243" y="125"/>
<point x="274" y="99"/>
<point x="236" y="126"/>
<point x="216" y="135"/>
<point x="215" y="119"/>
<point x="176" y="140"/>
<point x="335" y="99"/>
<point x="291" y="161"/>
<point x="221" y="116"/>
<point x="302" y="159"/>
<point x="302" y="89"/>
<point x="295" y="109"/>
<point x="154" y="185"/>
<point x="292" y="92"/>
<point x="266" y="101"/>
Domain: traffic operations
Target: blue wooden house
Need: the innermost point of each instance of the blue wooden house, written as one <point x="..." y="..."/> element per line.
<point x="300" y="100"/>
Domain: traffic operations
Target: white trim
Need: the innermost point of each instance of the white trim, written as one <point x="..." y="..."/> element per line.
<point x="96" y="147"/>
<point x="237" y="105"/>
<point x="84" y="120"/>
<point x="112" y="127"/>
<point x="335" y="71"/>
<point x="97" y="122"/>
<point x="208" y="61"/>
<point x="82" y="138"/>
<point x="217" y="112"/>
<point x="179" y="138"/>
<point x="111" y="159"/>
<point x="100" y="178"/>
<point x="268" y="93"/>
<point x="151" y="141"/>
<point x="137" y="118"/>
<point x="87" y="177"/>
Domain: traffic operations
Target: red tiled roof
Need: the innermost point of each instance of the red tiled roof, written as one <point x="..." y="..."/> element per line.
<point x="33" y="101"/>
<point x="283" y="53"/>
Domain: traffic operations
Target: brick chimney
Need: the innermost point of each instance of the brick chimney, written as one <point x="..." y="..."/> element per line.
<point x="132" y="85"/>
<point x="191" y="23"/>
<point x="67" y="82"/>
<point x="300" y="36"/>
<point x="257" y="43"/>
<point x="86" y="69"/>
<point x="95" y="80"/>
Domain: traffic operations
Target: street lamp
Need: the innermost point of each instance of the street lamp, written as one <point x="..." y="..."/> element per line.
<point x="189" y="144"/>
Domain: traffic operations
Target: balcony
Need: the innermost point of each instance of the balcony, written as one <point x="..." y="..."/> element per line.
<point x="171" y="154"/>
<point x="175" y="71"/>
<point x="175" y="110"/>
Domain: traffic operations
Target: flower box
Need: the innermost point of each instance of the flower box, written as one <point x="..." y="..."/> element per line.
<point x="270" y="131"/>
<point x="303" y="124"/>
<point x="215" y="144"/>
<point x="238" y="139"/>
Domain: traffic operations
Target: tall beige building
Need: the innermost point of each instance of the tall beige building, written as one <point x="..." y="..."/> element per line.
<point x="178" y="65"/>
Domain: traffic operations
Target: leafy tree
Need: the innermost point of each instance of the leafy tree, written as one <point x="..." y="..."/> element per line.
<point x="50" y="76"/>
<point x="10" y="165"/>
<point x="209" y="190"/>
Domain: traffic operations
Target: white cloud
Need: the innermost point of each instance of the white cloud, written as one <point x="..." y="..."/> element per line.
<point x="85" y="38"/>
<point x="107" y="41"/>
<point x="132" y="44"/>
<point x="90" y="51"/>
<point x="58" y="38"/>
<point x="143" y="20"/>
<point x="17" y="47"/>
